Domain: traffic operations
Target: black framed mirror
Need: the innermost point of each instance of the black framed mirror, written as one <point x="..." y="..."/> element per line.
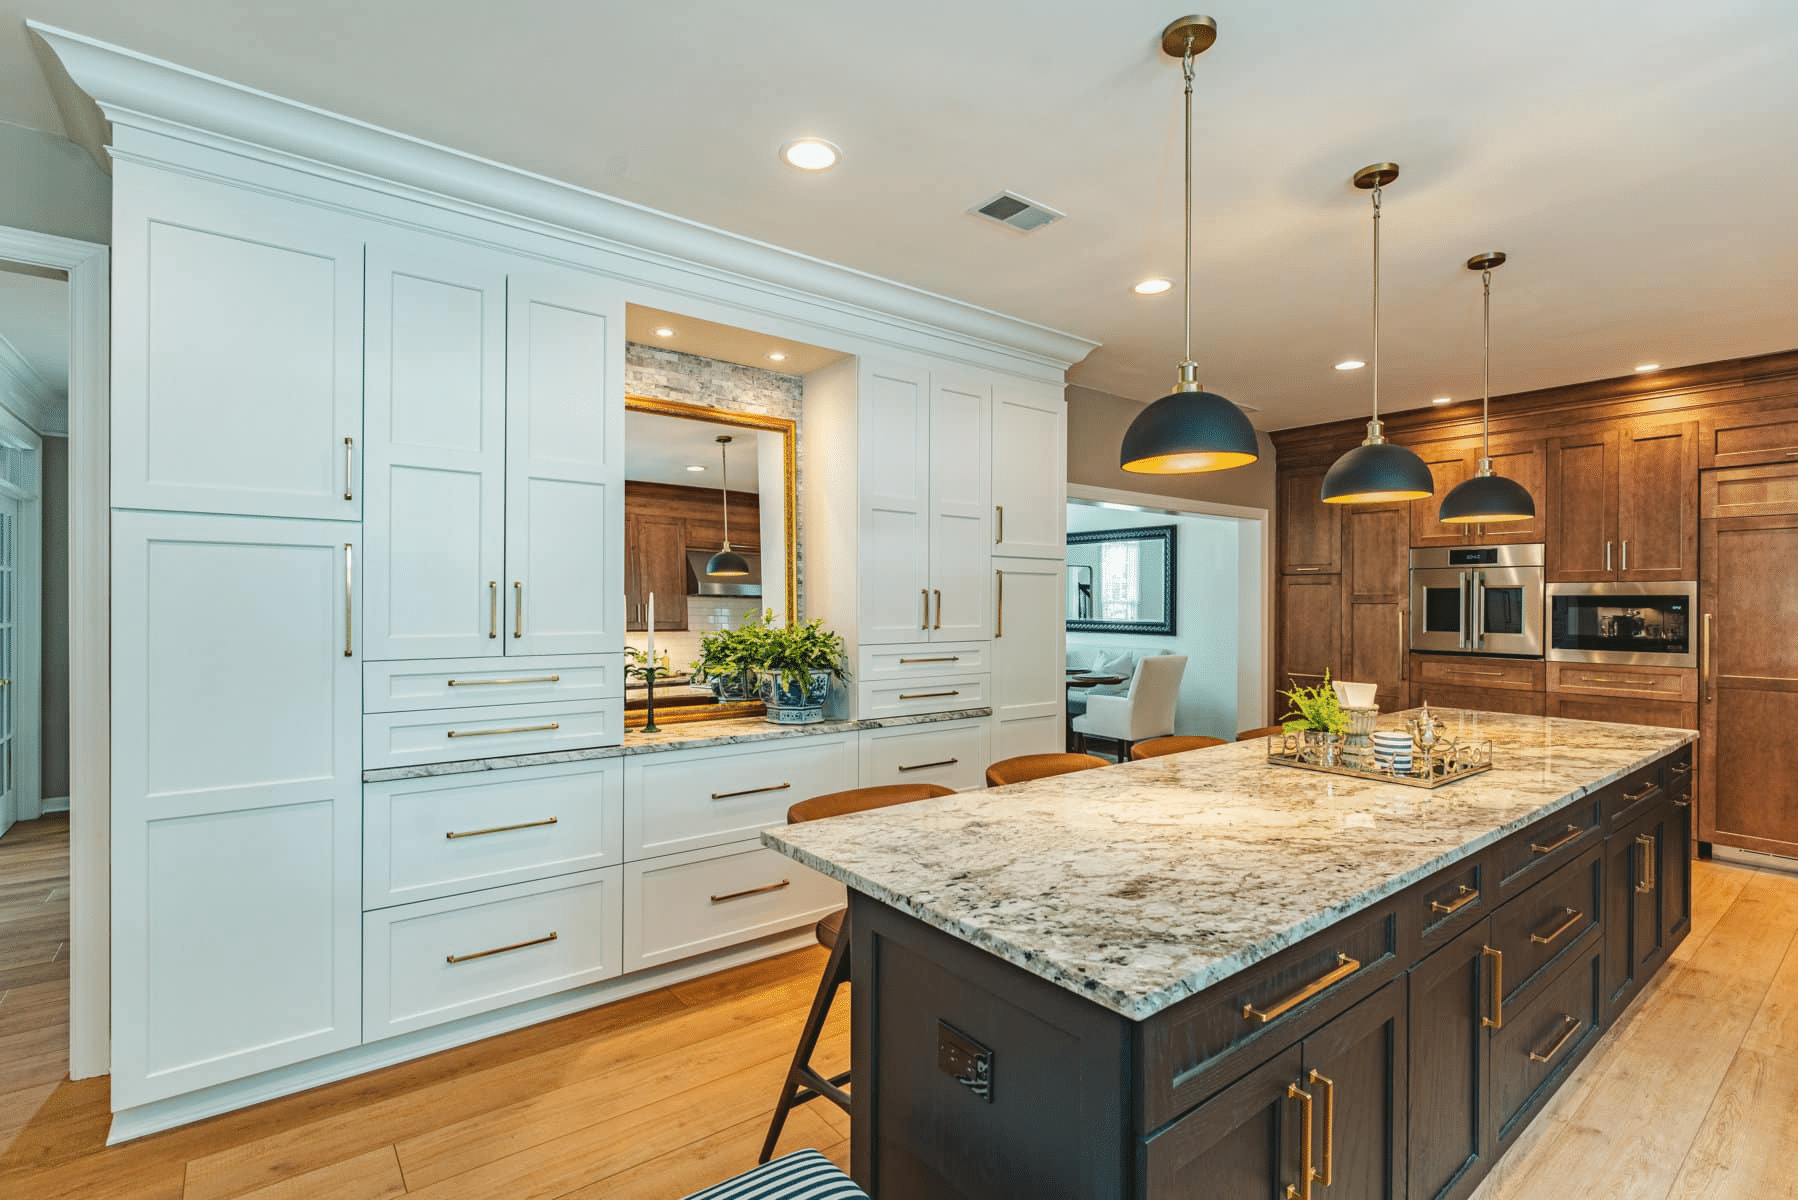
<point x="1121" y="580"/>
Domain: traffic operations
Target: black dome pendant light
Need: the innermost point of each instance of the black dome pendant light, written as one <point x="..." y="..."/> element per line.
<point x="1376" y="471"/>
<point x="1486" y="497"/>
<point x="1189" y="430"/>
<point x="727" y="563"/>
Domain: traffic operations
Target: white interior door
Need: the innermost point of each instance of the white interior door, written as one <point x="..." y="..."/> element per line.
<point x="961" y="540"/>
<point x="894" y="464"/>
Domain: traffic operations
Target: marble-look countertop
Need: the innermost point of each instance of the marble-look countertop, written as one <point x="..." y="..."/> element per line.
<point x="690" y="735"/>
<point x="1141" y="884"/>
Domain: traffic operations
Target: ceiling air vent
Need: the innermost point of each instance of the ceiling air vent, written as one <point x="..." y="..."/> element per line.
<point x="1011" y="209"/>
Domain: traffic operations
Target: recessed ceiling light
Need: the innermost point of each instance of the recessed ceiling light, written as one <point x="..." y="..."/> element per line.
<point x="1350" y="364"/>
<point x="664" y="331"/>
<point x="1648" y="366"/>
<point x="1153" y="287"/>
<point x="1442" y="400"/>
<point x="776" y="356"/>
<point x="695" y="467"/>
<point x="810" y="154"/>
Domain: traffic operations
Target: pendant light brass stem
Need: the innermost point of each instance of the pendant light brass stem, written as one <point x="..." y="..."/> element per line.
<point x="724" y="483"/>
<point x="1486" y="378"/>
<point x="1374" y="428"/>
<point x="1186" y="279"/>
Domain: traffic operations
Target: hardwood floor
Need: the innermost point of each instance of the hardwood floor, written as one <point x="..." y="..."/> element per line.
<point x="1690" y="1096"/>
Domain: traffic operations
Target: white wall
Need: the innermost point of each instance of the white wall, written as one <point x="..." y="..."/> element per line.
<point x="1208" y="557"/>
<point x="49" y="184"/>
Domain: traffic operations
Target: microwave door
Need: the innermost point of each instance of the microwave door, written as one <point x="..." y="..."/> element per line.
<point x="1440" y="602"/>
<point x="1507" y="611"/>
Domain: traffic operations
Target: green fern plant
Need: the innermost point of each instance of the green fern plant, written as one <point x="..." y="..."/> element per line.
<point x="1314" y="708"/>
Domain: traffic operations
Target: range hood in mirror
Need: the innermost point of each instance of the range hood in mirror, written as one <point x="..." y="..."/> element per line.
<point x="701" y="584"/>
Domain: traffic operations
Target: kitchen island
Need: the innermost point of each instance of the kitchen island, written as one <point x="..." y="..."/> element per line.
<point x="1206" y="976"/>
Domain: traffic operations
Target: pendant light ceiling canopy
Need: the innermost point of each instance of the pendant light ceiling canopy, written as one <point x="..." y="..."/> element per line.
<point x="727" y="563"/>
<point x="1189" y="430"/>
<point x="1376" y="471"/>
<point x="1486" y="497"/>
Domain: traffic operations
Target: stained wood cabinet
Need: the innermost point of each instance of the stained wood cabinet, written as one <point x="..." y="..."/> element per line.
<point x="655" y="564"/>
<point x="1452" y="463"/>
<point x="1310" y="530"/>
<point x="1310" y="619"/>
<point x="1450" y="1061"/>
<point x="1376" y="606"/>
<point x="1624" y="504"/>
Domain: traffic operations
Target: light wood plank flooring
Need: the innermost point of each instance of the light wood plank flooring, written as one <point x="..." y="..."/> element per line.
<point x="1692" y="1095"/>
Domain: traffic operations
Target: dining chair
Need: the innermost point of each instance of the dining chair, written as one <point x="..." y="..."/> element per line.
<point x="1145" y="711"/>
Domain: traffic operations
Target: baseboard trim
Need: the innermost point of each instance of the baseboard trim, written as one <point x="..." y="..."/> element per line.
<point x="132" y="1123"/>
<point x="1758" y="859"/>
<point x="53" y="804"/>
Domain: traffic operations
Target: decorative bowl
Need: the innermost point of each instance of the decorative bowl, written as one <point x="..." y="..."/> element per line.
<point x="1355" y="695"/>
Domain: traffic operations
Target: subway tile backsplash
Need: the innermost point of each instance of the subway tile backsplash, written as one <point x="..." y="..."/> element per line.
<point x="704" y="615"/>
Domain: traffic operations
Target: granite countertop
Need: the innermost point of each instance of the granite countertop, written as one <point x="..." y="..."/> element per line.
<point x="1141" y="884"/>
<point x="689" y="735"/>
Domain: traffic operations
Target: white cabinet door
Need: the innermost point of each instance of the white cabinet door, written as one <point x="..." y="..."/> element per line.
<point x="564" y="465"/>
<point x="435" y="451"/>
<point x="237" y="351"/>
<point x="236" y="794"/>
<point x="894" y="464"/>
<point x="1029" y="649"/>
<point x="961" y="538"/>
<point x="1029" y="469"/>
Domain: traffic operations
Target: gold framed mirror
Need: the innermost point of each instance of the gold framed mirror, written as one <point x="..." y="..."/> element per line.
<point x="680" y="517"/>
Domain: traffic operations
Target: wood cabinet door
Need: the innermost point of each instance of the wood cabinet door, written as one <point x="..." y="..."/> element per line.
<point x="1657" y="503"/>
<point x="1450" y="993"/>
<point x="1525" y="463"/>
<point x="1310" y="624"/>
<point x="656" y="564"/>
<point x="1029" y="484"/>
<point x="1635" y="926"/>
<point x="1376" y="599"/>
<point x="1242" y="1144"/>
<point x="1310" y="530"/>
<point x="1740" y="436"/>
<point x="1582" y="507"/>
<point x="961" y="509"/>
<point x="1357" y="1069"/>
<point x="1449" y="463"/>
<point x="1484" y="699"/>
<point x="893" y="466"/>
<point x="1029" y="648"/>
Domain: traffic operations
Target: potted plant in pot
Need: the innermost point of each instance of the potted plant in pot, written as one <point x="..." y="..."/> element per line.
<point x="1318" y="717"/>
<point x="727" y="660"/>
<point x="794" y="665"/>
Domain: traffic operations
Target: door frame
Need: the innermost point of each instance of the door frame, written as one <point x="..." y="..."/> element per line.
<point x="88" y="266"/>
<point x="28" y="616"/>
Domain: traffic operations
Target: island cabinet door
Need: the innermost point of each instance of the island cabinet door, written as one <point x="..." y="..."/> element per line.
<point x="1356" y="1072"/>
<point x="1637" y="923"/>
<point x="1450" y="993"/>
<point x="1245" y="1143"/>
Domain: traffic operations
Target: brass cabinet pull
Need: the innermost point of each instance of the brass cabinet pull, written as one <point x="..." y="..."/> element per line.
<point x="939" y="658"/>
<point x="492" y="609"/>
<point x="499" y="682"/>
<point x="1574" y="917"/>
<point x="462" y="958"/>
<point x="468" y="833"/>
<point x="756" y="891"/>
<point x="1345" y="966"/>
<point x="1573" y="831"/>
<point x="1648" y="789"/>
<point x="349" y="455"/>
<point x="349" y="601"/>
<point x="510" y="729"/>
<point x="1626" y="554"/>
<point x="946" y="762"/>
<point x="1497" y="1019"/>
<point x="1635" y="681"/>
<point x="1302" y="1189"/>
<point x="1574" y="1025"/>
<point x="1404" y="656"/>
<point x="518" y="608"/>
<point x="774" y="787"/>
<point x="1472" y="671"/>
<point x="999" y="631"/>
<point x="999" y="517"/>
<point x="925" y="623"/>
<point x="1319" y="1079"/>
<point x="1607" y="555"/>
<point x="1464" y="896"/>
<point x="1305" y="570"/>
<point x="938" y="593"/>
<point x="1710" y="690"/>
<point x="927" y="695"/>
<point x="1646" y="841"/>
<point x="1684" y="768"/>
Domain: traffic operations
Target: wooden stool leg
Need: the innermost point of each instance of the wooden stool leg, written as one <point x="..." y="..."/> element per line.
<point x="802" y="1082"/>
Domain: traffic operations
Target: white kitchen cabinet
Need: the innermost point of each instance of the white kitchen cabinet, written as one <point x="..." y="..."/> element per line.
<point x="236" y="797"/>
<point x="686" y="904"/>
<point x="961" y="513"/>
<point x="688" y="800"/>
<point x="1029" y="493"/>
<point x="236" y="351"/>
<point x="1029" y="650"/>
<point x="951" y="754"/>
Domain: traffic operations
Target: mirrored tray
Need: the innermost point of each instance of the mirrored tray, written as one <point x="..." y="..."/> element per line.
<point x="1443" y="764"/>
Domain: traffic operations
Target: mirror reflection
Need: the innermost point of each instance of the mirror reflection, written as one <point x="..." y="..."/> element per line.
<point x="1121" y="580"/>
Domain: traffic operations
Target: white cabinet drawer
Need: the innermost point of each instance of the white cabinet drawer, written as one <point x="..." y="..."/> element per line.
<point x="425" y="838"/>
<point x="483" y="682"/>
<point x="406" y="739"/>
<point x="953" y="754"/>
<point x="916" y="697"/>
<point x="926" y="660"/>
<point x="687" y="904"/>
<point x="439" y="960"/>
<point x="684" y="801"/>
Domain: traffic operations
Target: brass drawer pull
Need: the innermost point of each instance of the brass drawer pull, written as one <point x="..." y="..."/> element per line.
<point x="999" y="628"/>
<point x="518" y="608"/>
<point x="945" y="762"/>
<point x="349" y="459"/>
<point x="1464" y="896"/>
<point x="349" y="601"/>
<point x="498" y="682"/>
<point x="1345" y="966"/>
<point x="1302" y="1189"/>
<point x="510" y="729"/>
<point x="492" y="610"/>
<point x="1684" y="768"/>
<point x="927" y="695"/>
<point x="773" y="787"/>
<point x="1574" y="1025"/>
<point x="1497" y="1019"/>
<point x="1471" y="671"/>
<point x="1648" y="789"/>
<point x="1574" y="917"/>
<point x="462" y="958"/>
<point x="1573" y="831"/>
<point x="938" y="593"/>
<point x="1305" y="570"/>
<point x="999" y="520"/>
<point x="1329" y="1086"/>
<point x="925" y="623"/>
<point x="759" y="891"/>
<point x="468" y="833"/>
<point x="906" y="662"/>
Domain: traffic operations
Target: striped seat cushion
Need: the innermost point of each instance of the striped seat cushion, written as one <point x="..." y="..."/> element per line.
<point x="802" y="1175"/>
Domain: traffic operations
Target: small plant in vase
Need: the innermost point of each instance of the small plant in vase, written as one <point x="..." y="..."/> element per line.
<point x="794" y="666"/>
<point x="1318" y="717"/>
<point x="727" y="660"/>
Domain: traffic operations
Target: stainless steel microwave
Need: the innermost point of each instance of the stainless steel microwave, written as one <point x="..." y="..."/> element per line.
<point x="1478" y="600"/>
<point x="1629" y="624"/>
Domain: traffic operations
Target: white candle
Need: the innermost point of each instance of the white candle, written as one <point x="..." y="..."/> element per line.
<point x="650" y="622"/>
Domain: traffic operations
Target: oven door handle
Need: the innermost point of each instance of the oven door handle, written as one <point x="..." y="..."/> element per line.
<point x="1478" y="625"/>
<point x="1464" y="635"/>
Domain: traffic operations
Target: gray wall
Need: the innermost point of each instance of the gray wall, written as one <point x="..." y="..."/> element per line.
<point x="56" y="617"/>
<point x="49" y="184"/>
<point x="1096" y="424"/>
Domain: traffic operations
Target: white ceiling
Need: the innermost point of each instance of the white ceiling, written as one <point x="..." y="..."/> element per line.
<point x="660" y="449"/>
<point x="34" y="317"/>
<point x="727" y="343"/>
<point x="1634" y="157"/>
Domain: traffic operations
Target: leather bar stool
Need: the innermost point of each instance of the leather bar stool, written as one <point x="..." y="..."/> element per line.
<point x="1266" y="731"/>
<point x="1026" y="767"/>
<point x="1172" y="744"/>
<point x="802" y="1083"/>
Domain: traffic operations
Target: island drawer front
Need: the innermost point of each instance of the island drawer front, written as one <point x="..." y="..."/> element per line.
<point x="686" y="904"/>
<point x="1542" y="1040"/>
<point x="1538" y="929"/>
<point x="1540" y="849"/>
<point x="928" y="660"/>
<point x="952" y="754"/>
<point x="405" y="739"/>
<point x="1191" y="1049"/>
<point x="439" y="960"/>
<point x="913" y="698"/>
<point x="1441" y="907"/>
<point x="411" y="686"/>
<point x="1517" y="675"/>
<point x="678" y="801"/>
<point x="442" y="835"/>
<point x="1676" y="773"/>
<point x="1634" y="795"/>
<point x="1678" y="684"/>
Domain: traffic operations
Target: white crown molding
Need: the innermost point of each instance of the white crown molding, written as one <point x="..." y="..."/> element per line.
<point x="141" y="92"/>
<point x="25" y="394"/>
